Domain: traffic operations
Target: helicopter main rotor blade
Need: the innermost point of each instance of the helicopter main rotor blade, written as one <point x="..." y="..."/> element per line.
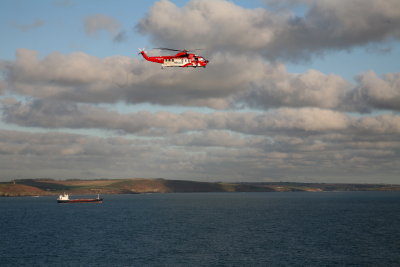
<point x="163" y="48"/>
<point x="178" y="50"/>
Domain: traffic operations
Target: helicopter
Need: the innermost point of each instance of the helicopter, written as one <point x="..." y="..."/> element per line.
<point x="182" y="59"/>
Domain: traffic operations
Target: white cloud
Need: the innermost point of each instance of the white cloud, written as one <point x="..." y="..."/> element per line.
<point x="79" y="77"/>
<point x="222" y="25"/>
<point x="312" y="89"/>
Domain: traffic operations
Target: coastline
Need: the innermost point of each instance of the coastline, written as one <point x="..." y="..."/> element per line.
<point x="49" y="187"/>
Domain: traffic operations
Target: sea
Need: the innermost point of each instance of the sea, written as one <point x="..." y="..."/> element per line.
<point x="204" y="229"/>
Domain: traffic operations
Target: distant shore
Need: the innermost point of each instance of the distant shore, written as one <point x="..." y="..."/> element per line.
<point x="43" y="187"/>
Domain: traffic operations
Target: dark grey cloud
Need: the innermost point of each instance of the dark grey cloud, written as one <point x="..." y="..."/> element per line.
<point x="339" y="25"/>
<point x="221" y="25"/>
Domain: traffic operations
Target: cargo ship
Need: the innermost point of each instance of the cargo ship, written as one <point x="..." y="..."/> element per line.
<point x="64" y="198"/>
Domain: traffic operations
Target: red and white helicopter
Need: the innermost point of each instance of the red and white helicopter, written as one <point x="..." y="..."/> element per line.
<point x="183" y="59"/>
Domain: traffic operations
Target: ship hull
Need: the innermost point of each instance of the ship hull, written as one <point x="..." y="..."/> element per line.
<point x="82" y="200"/>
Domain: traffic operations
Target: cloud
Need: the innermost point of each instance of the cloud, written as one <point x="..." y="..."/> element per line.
<point x="56" y="114"/>
<point x="82" y="78"/>
<point x="28" y="27"/>
<point x="120" y="37"/>
<point x="2" y="87"/>
<point x="212" y="24"/>
<point x="79" y="77"/>
<point x="374" y="92"/>
<point x="224" y="26"/>
<point x="216" y="138"/>
<point x="61" y="155"/>
<point x="310" y="89"/>
<point x="99" y="22"/>
<point x="266" y="122"/>
<point x="382" y="124"/>
<point x="284" y="144"/>
<point x="288" y="121"/>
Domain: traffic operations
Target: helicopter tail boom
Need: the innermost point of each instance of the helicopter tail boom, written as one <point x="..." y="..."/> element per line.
<point x="152" y="59"/>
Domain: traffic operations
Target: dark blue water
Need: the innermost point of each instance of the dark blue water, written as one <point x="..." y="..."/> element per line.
<point x="205" y="229"/>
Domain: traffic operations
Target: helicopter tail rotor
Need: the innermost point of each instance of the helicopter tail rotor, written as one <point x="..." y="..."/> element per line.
<point x="141" y="50"/>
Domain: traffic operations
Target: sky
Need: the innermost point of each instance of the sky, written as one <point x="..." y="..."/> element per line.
<point x="296" y="90"/>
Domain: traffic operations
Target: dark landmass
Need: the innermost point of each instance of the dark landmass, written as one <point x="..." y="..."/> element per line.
<point x="43" y="187"/>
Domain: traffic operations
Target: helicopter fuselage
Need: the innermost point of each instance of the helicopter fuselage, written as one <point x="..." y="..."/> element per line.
<point x="181" y="59"/>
